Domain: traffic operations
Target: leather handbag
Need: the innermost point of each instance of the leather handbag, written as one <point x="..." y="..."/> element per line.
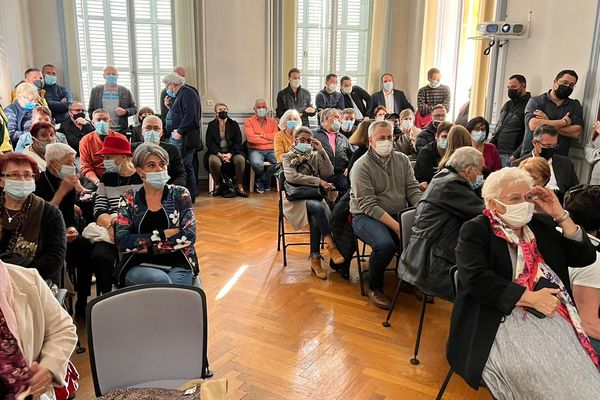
<point x="301" y="192"/>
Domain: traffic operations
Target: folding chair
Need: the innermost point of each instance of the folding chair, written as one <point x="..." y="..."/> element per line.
<point x="454" y="279"/>
<point x="147" y="336"/>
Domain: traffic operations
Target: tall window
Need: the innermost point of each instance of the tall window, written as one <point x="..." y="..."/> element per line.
<point x="332" y="36"/>
<point x="136" y="36"/>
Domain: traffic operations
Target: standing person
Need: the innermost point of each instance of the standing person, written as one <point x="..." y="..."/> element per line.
<point x="394" y="100"/>
<point x="479" y="128"/>
<point x="296" y="97"/>
<point x="183" y="125"/>
<point x="167" y="101"/>
<point x="357" y="98"/>
<point x="59" y="98"/>
<point x="329" y="97"/>
<point x="430" y="95"/>
<point x="115" y="99"/>
<point x="76" y="126"/>
<point x="260" y="133"/>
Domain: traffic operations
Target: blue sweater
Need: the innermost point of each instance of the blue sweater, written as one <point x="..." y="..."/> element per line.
<point x="19" y="121"/>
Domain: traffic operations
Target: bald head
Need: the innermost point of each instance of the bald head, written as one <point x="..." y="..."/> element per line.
<point x="179" y="71"/>
<point x="110" y="70"/>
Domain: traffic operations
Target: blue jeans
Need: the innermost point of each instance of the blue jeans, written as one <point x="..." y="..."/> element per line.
<point x="340" y="181"/>
<point x="140" y="275"/>
<point x="257" y="158"/>
<point x="383" y="245"/>
<point x="318" y="224"/>
<point x="505" y="160"/>
<point x="190" y="179"/>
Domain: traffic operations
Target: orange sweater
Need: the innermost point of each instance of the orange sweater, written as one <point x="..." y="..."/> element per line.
<point x="260" y="137"/>
<point x="89" y="145"/>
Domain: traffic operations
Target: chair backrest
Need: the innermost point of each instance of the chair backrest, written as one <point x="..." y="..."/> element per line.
<point x="147" y="333"/>
<point x="406" y="219"/>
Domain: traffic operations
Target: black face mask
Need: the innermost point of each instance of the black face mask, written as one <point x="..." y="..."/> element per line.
<point x="38" y="84"/>
<point x="79" y="115"/>
<point x="513" y="94"/>
<point x="546" y="153"/>
<point x="563" y="91"/>
<point x="222" y="114"/>
<point x="435" y="123"/>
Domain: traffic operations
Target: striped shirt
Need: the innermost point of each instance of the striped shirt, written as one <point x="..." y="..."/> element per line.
<point x="428" y="97"/>
<point x="110" y="189"/>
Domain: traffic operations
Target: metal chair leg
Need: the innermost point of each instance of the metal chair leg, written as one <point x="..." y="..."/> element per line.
<point x="207" y="373"/>
<point x="279" y="231"/>
<point x="79" y="349"/>
<point x="415" y="360"/>
<point x="445" y="384"/>
<point x="360" y="271"/>
<point x="386" y="323"/>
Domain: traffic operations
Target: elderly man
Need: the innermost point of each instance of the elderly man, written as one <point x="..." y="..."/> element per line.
<point x="383" y="183"/>
<point x="183" y="125"/>
<point x="336" y="146"/>
<point x="167" y="101"/>
<point x="348" y="120"/>
<point x="152" y="130"/>
<point x="77" y="126"/>
<point x="115" y="99"/>
<point x="260" y="133"/>
<point x="58" y="97"/>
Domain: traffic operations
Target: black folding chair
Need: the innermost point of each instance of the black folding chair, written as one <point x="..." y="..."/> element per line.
<point x="454" y="279"/>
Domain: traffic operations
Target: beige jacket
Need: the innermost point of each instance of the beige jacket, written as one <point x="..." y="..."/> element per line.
<point x="47" y="331"/>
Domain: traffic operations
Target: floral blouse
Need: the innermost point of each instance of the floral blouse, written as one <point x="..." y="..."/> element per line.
<point x="13" y="366"/>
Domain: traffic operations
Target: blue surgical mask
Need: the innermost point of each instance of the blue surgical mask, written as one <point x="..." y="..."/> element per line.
<point x="102" y="127"/>
<point x="335" y="125"/>
<point x="50" y="80"/>
<point x="19" y="190"/>
<point x="157" y="179"/>
<point x="348" y="124"/>
<point x="389" y="85"/>
<point x="170" y="93"/>
<point x="478" y="182"/>
<point x="292" y="124"/>
<point x="261" y="112"/>
<point x="30" y="105"/>
<point x="111" y="79"/>
<point x="303" y="147"/>
<point x="111" y="166"/>
<point x="478" y="136"/>
<point x="442" y="143"/>
<point x="152" y="137"/>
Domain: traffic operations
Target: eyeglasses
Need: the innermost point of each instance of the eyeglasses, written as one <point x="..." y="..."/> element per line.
<point x="516" y="198"/>
<point x="547" y="145"/>
<point x="438" y="116"/>
<point x="19" y="176"/>
<point x="78" y="110"/>
<point x="304" y="140"/>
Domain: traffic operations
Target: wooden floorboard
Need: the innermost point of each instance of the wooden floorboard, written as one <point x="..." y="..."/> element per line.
<point x="280" y="333"/>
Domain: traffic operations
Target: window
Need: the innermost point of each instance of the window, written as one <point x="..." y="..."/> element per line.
<point x="136" y="36"/>
<point x="323" y="25"/>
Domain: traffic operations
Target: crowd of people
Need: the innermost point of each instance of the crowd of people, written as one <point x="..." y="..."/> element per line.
<point x="86" y="194"/>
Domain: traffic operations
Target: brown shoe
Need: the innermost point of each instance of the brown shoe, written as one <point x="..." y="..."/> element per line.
<point x="379" y="299"/>
<point x="315" y="266"/>
<point x="335" y="254"/>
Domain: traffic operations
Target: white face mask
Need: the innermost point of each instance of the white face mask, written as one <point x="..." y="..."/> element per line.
<point x="295" y="82"/>
<point x="389" y="85"/>
<point x="347" y="89"/>
<point x="517" y="215"/>
<point x="434" y="84"/>
<point x="407" y="123"/>
<point x="331" y="87"/>
<point x="383" y="148"/>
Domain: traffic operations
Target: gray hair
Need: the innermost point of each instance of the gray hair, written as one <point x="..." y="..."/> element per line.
<point x="173" y="77"/>
<point x="497" y="180"/>
<point x="145" y="150"/>
<point x="464" y="157"/>
<point x="303" y="129"/>
<point x="152" y="118"/>
<point x="328" y="112"/>
<point x="58" y="151"/>
<point x="286" y="116"/>
<point x="379" y="124"/>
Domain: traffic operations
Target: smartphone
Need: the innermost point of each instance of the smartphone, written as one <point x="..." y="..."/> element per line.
<point x="541" y="284"/>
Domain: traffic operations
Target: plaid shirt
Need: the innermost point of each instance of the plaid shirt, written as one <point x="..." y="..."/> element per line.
<point x="429" y="97"/>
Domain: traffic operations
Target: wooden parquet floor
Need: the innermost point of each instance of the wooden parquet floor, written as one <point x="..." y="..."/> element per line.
<point x="280" y="333"/>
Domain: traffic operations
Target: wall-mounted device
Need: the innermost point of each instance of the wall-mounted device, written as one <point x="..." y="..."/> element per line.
<point x="503" y="30"/>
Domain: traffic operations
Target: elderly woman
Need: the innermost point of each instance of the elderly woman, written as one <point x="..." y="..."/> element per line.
<point x="307" y="164"/>
<point x="155" y="226"/>
<point x="479" y="128"/>
<point x="42" y="134"/>
<point x="37" y="336"/>
<point x="18" y="113"/>
<point x="284" y="139"/>
<point x="449" y="201"/>
<point x="32" y="231"/>
<point x="514" y="322"/>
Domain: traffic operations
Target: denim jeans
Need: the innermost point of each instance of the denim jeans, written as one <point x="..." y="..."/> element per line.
<point x="340" y="181"/>
<point x="383" y="245"/>
<point x="140" y="275"/>
<point x="505" y="160"/>
<point x="257" y="158"/>
<point x="318" y="224"/>
<point x="190" y="180"/>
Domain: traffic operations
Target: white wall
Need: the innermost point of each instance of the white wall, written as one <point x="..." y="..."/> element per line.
<point x="45" y="42"/>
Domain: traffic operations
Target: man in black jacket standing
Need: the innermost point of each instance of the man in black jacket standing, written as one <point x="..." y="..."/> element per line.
<point x="357" y="98"/>
<point x="295" y="97"/>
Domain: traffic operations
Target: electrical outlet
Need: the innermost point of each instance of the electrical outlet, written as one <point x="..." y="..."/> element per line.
<point x="210" y="102"/>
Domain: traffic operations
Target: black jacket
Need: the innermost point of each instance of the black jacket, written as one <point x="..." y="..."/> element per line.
<point x="74" y="134"/>
<point x="509" y="131"/>
<point x="361" y="97"/>
<point x="427" y="135"/>
<point x="400" y="101"/>
<point x="448" y="202"/>
<point x="233" y="135"/>
<point x="343" y="150"/>
<point x="175" y="169"/>
<point x="427" y="163"/>
<point x="564" y="171"/>
<point x="54" y="94"/>
<point x="486" y="292"/>
<point x="300" y="101"/>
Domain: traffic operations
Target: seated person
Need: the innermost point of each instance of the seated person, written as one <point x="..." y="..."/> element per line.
<point x="32" y="231"/>
<point x="5" y="144"/>
<point x="479" y="128"/>
<point x="152" y="132"/>
<point x="409" y="130"/>
<point x="224" y="148"/>
<point x="348" y="120"/>
<point x="120" y="176"/>
<point x="284" y="139"/>
<point x="18" y="113"/>
<point x="76" y="126"/>
<point x="498" y="327"/>
<point x="38" y="335"/>
<point x="43" y="134"/>
<point x="427" y="135"/>
<point x="337" y="148"/>
<point x="135" y="131"/>
<point x="56" y="185"/>
<point x="260" y="133"/>
<point x="39" y="114"/>
<point x="92" y="164"/>
<point x="379" y="113"/>
<point x="155" y="226"/>
<point x="360" y="141"/>
<point x="383" y="183"/>
<point x="449" y="201"/>
<point x="402" y="142"/>
<point x="538" y="168"/>
<point x="430" y="156"/>
<point x="307" y="164"/>
<point x="458" y="137"/>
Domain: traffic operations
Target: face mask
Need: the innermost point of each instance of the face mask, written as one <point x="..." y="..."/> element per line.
<point x="435" y="123"/>
<point x="478" y="182"/>
<point x="152" y="137"/>
<point x="18" y="190"/>
<point x="331" y="87"/>
<point x="442" y="143"/>
<point x="563" y="91"/>
<point x="157" y="179"/>
<point x="407" y="123"/>
<point x="38" y="84"/>
<point x="478" y="136"/>
<point x="434" y="84"/>
<point x="389" y="85"/>
<point x="292" y="124"/>
<point x="41" y="145"/>
<point x="222" y="114"/>
<point x="335" y="125"/>
<point x="383" y="148"/>
<point x="348" y="125"/>
<point x="347" y="89"/>
<point x="517" y="215"/>
<point x="295" y="82"/>
<point x="102" y="127"/>
<point x="50" y="80"/>
<point x="111" y="166"/>
<point x="170" y="93"/>
<point x="79" y="115"/>
<point x="513" y="94"/>
<point x="261" y="112"/>
<point x="67" y="170"/>
<point x="546" y="153"/>
<point x="111" y="79"/>
<point x="303" y="147"/>
<point x="30" y="105"/>
<point x="379" y="117"/>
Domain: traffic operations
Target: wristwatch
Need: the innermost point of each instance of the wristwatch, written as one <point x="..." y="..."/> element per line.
<point x="563" y="218"/>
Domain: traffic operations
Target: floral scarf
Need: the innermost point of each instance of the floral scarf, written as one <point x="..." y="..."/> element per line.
<point x="530" y="266"/>
<point x="299" y="158"/>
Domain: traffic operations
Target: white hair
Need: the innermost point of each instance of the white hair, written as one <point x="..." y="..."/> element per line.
<point x="172" y="77"/>
<point x="464" y="157"/>
<point x="498" y="180"/>
<point x="58" y="151"/>
<point x="286" y="116"/>
<point x="379" y="124"/>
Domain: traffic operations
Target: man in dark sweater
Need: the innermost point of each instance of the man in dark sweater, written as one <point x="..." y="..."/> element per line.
<point x="76" y="126"/>
<point x="166" y="101"/>
<point x="295" y="97"/>
<point x="427" y="135"/>
<point x="59" y="98"/>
